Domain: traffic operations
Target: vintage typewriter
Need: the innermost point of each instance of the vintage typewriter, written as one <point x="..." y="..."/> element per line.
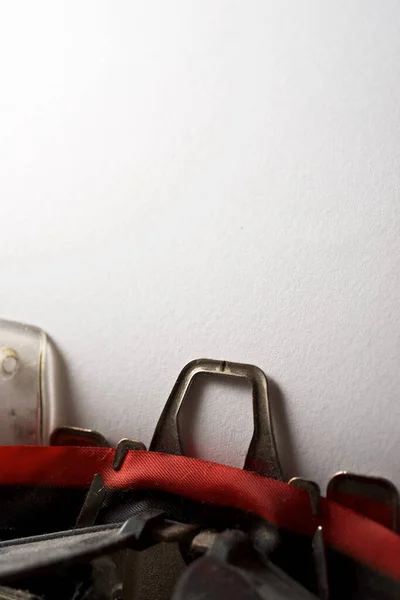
<point x="81" y="520"/>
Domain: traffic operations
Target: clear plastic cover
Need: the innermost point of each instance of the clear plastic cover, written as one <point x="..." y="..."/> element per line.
<point x="28" y="385"/>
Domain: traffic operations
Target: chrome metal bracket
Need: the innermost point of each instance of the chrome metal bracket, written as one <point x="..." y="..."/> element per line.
<point x="262" y="456"/>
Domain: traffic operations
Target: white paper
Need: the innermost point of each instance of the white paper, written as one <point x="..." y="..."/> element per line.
<point x="210" y="179"/>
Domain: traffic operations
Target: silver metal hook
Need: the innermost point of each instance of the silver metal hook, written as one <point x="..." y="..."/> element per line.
<point x="122" y="450"/>
<point x="77" y="436"/>
<point x="92" y="504"/>
<point x="262" y="456"/>
<point x="313" y="491"/>
<point x="318" y="544"/>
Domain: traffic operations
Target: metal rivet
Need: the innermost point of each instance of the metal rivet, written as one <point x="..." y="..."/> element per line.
<point x="9" y="362"/>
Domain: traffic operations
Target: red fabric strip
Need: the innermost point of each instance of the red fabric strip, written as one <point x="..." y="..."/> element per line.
<point x="283" y="505"/>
